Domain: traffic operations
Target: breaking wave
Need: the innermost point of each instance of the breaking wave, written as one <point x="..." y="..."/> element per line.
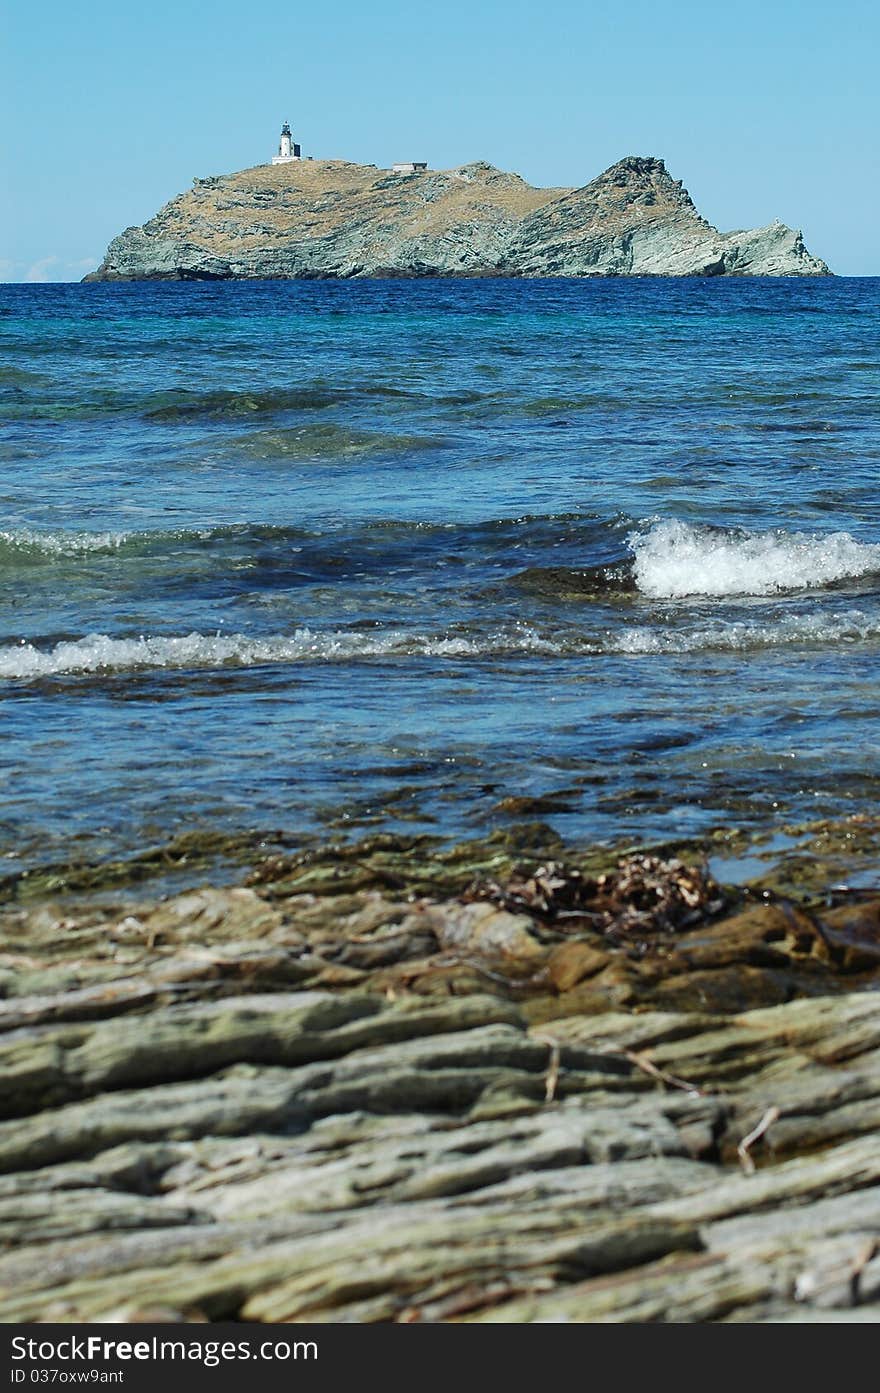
<point x="823" y="630"/>
<point x="98" y="653"/>
<point x="102" y="653"/>
<point x="673" y="559"/>
<point x="25" y="543"/>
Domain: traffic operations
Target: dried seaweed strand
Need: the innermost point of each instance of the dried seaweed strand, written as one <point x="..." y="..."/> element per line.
<point x="551" y="1077"/>
<point x="642" y="1062"/>
<point x="770" y="1116"/>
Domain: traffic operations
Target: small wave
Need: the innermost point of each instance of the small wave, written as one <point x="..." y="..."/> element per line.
<point x="100" y="653"/>
<point x="673" y="559"/>
<point x="822" y="630"/>
<point x="27" y="543"/>
<point x="30" y="545"/>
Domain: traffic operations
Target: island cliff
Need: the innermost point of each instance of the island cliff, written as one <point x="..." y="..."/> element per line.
<point x="330" y="218"/>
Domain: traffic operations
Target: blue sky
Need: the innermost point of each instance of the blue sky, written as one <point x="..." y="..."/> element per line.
<point x="763" y="109"/>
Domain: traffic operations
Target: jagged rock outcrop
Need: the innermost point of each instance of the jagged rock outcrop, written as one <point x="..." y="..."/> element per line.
<point x="330" y="218"/>
<point x="635" y="220"/>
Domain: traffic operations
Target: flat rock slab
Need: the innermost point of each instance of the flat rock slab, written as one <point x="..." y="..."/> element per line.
<point x="279" y="1103"/>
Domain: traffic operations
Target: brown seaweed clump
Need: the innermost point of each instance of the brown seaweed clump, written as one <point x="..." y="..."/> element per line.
<point x="643" y="894"/>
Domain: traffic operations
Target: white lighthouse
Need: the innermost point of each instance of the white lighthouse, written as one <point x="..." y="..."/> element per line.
<point x="288" y="150"/>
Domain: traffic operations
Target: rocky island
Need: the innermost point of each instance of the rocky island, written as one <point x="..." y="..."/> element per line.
<point x="335" y="219"/>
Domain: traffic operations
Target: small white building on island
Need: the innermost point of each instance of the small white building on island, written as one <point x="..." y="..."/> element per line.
<point x="288" y="150"/>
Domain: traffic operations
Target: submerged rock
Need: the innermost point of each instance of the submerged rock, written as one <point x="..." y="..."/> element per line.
<point x="331" y="218"/>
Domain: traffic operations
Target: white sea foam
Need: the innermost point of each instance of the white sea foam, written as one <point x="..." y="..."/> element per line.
<point x="854" y="626"/>
<point x="674" y="559"/>
<point x="29" y="540"/>
<point x="32" y="542"/>
<point x="100" y="653"/>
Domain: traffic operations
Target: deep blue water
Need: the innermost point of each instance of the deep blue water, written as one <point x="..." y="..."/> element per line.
<point x="383" y="554"/>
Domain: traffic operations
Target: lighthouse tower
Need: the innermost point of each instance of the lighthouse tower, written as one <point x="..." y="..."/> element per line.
<point x="288" y="151"/>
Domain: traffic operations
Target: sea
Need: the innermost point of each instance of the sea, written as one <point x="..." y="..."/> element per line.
<point x="331" y="559"/>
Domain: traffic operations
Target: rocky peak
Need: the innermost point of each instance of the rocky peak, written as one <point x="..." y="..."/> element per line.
<point x="639" y="179"/>
<point x="646" y="166"/>
<point x="477" y="169"/>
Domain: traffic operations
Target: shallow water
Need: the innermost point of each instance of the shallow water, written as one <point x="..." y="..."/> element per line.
<point x="385" y="554"/>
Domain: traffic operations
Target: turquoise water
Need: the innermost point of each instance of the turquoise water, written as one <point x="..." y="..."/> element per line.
<point x="314" y="556"/>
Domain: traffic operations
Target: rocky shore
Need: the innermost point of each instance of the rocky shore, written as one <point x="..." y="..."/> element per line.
<point x="394" y="1081"/>
<point x="335" y="219"/>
